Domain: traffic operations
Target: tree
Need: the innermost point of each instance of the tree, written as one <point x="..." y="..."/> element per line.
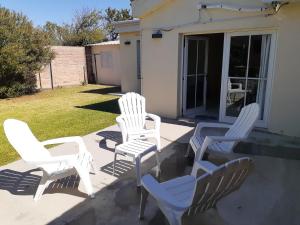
<point x="88" y="26"/>
<point x="23" y="51"/>
<point x="85" y="29"/>
<point x="114" y="15"/>
<point x="55" y="32"/>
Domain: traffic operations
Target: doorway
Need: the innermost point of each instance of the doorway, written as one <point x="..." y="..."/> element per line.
<point x="202" y="75"/>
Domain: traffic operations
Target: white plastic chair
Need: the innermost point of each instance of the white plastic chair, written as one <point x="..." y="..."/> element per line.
<point x="34" y="152"/>
<point x="133" y="116"/>
<point x="238" y="131"/>
<point x="192" y="193"/>
<point x="234" y="88"/>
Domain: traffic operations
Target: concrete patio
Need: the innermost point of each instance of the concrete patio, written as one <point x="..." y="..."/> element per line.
<point x="270" y="195"/>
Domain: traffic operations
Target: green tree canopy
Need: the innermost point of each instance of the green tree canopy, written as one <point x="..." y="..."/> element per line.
<point x="85" y="29"/>
<point x="89" y="26"/>
<point x="55" y="32"/>
<point x="23" y="51"/>
<point x="114" y="15"/>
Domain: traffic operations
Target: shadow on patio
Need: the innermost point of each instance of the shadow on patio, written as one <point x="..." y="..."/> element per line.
<point x="26" y="183"/>
<point x="115" y="137"/>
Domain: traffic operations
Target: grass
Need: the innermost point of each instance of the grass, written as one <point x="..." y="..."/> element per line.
<point x="58" y="113"/>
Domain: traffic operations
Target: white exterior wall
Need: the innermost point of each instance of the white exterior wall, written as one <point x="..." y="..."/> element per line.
<point x="107" y="75"/>
<point x="161" y="58"/>
<point x="129" y="79"/>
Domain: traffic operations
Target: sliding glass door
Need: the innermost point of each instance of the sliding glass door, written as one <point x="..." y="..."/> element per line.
<point x="247" y="74"/>
<point x="195" y="75"/>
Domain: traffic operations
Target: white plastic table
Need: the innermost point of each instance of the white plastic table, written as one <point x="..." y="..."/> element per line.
<point x="136" y="149"/>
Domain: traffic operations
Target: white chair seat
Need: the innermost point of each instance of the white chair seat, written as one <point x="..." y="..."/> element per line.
<point x="181" y="188"/>
<point x="57" y="168"/>
<point x="141" y="132"/>
<point x="197" y="141"/>
<point x="135" y="148"/>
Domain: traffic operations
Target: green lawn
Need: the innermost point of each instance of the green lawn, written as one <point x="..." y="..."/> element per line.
<point x="58" y="113"/>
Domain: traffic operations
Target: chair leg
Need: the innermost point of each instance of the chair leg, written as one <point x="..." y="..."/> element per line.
<point x="85" y="177"/>
<point x="158" y="142"/>
<point x="45" y="181"/>
<point x="144" y="196"/>
<point x="138" y="171"/>
<point x="158" y="164"/>
<point x="115" y="159"/>
<point x="93" y="168"/>
<point x="174" y="219"/>
<point x="188" y="151"/>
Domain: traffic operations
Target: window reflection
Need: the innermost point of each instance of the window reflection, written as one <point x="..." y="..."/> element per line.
<point x="248" y="72"/>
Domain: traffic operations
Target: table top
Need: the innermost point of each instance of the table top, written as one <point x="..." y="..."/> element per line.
<point x="136" y="147"/>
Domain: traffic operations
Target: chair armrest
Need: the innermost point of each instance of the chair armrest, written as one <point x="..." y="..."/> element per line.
<point x="224" y="139"/>
<point x="202" y="125"/>
<point x="75" y="139"/>
<point x="211" y="140"/>
<point x="160" y="194"/>
<point x="52" y="160"/>
<point x="121" y="123"/>
<point x="155" y="118"/>
<point x="239" y="85"/>
<point x="206" y="166"/>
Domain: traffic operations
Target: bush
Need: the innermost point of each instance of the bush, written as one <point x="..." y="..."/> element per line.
<point x="17" y="89"/>
<point x="23" y="51"/>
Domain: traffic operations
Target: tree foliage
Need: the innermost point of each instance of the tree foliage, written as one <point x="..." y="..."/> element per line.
<point x="85" y="29"/>
<point x="55" y="32"/>
<point x="23" y="51"/>
<point x="88" y="26"/>
<point x="114" y="15"/>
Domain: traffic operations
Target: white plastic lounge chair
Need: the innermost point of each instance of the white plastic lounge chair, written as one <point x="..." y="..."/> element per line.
<point x="133" y="118"/>
<point x="234" y="89"/>
<point x="194" y="194"/>
<point x="238" y="131"/>
<point x="33" y="152"/>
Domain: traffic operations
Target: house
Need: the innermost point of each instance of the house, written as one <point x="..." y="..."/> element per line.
<point x="130" y="51"/>
<point x="206" y="59"/>
<point x="106" y="67"/>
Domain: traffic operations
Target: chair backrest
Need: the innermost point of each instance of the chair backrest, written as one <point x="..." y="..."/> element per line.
<point x="224" y="180"/>
<point x="244" y="123"/>
<point x="25" y="143"/>
<point x="229" y="84"/>
<point x="133" y="109"/>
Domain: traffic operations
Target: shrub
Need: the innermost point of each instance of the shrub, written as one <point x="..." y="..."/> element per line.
<point x="23" y="51"/>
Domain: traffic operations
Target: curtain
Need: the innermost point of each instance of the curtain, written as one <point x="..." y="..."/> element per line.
<point x="264" y="69"/>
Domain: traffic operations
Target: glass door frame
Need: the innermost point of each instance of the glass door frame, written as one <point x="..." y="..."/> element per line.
<point x="225" y="70"/>
<point x="194" y="111"/>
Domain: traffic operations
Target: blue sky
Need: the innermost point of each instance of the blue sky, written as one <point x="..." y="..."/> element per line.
<point x="58" y="11"/>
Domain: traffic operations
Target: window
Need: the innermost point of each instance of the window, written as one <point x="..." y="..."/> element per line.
<point x="138" y="59"/>
<point x="106" y="60"/>
<point x="248" y="72"/>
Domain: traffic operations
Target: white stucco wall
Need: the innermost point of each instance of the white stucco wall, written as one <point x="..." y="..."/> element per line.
<point x="161" y="58"/>
<point x="129" y="80"/>
<point x="107" y="75"/>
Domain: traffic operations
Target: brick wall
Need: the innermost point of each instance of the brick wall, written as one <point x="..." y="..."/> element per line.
<point x="68" y="68"/>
